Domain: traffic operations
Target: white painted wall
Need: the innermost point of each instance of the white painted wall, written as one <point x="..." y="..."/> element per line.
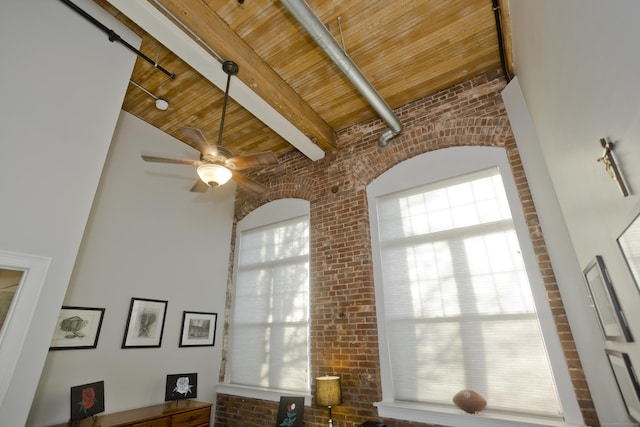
<point x="576" y="83"/>
<point x="147" y="237"/>
<point x="53" y="143"/>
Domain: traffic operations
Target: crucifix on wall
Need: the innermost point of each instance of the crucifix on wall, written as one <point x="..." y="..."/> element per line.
<point x="611" y="166"/>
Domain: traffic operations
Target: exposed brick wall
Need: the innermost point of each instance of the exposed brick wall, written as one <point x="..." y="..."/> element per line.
<point x="344" y="338"/>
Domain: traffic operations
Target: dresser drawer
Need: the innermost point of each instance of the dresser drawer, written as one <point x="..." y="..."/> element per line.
<point x="193" y="418"/>
<point x="158" y="422"/>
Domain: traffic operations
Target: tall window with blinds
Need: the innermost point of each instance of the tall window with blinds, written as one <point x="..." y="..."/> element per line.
<point x="270" y="317"/>
<point x="458" y="308"/>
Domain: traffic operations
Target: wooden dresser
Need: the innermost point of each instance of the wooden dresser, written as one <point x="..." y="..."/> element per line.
<point x="188" y="413"/>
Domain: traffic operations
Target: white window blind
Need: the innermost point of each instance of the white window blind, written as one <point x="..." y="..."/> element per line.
<point x="270" y="317"/>
<point x="458" y="307"/>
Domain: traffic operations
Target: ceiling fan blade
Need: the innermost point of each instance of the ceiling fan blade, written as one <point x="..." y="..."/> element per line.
<point x="166" y="160"/>
<point x="198" y="140"/>
<point x="248" y="183"/>
<point x="199" y="187"/>
<point x="253" y="160"/>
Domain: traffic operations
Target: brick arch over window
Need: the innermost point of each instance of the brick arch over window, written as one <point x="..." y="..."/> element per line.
<point x="343" y="323"/>
<point x="286" y="186"/>
<point x="422" y="138"/>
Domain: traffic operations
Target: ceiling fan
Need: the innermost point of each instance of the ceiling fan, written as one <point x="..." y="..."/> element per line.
<point x="217" y="165"/>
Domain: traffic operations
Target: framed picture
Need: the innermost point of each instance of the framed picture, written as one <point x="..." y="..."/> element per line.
<point x="290" y="411"/>
<point x="612" y="321"/>
<point x="145" y="323"/>
<point x="198" y="329"/>
<point x="76" y="328"/>
<point x="181" y="386"/>
<point x="87" y="400"/>
<point x="629" y="243"/>
<point x="627" y="381"/>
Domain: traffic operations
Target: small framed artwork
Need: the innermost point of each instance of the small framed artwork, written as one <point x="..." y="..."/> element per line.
<point x="198" y="329"/>
<point x="145" y="323"/>
<point x="290" y="411"/>
<point x="77" y="328"/>
<point x="87" y="400"/>
<point x="629" y="243"/>
<point x="627" y="381"/>
<point x="181" y="386"/>
<point x="612" y="321"/>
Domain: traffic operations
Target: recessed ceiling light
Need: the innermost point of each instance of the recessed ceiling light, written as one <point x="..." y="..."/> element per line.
<point x="162" y="104"/>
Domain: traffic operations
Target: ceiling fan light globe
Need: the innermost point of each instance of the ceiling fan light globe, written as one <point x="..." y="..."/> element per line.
<point x="214" y="175"/>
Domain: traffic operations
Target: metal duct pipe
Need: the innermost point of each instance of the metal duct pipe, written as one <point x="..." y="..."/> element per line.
<point x="503" y="61"/>
<point x="316" y="29"/>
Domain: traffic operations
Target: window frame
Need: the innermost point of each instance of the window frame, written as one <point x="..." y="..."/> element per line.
<point x="429" y="168"/>
<point x="270" y="213"/>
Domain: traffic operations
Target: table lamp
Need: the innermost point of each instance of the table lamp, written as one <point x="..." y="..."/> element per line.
<point x="328" y="393"/>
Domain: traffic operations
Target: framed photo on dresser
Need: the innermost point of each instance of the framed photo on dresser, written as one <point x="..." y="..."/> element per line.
<point x="87" y="400"/>
<point x="181" y="386"/>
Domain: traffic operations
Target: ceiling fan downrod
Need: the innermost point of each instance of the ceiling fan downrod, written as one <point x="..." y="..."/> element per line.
<point x="231" y="68"/>
<point x="217" y="165"/>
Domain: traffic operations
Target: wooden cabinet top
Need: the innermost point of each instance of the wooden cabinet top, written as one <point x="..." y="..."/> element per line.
<point x="138" y="415"/>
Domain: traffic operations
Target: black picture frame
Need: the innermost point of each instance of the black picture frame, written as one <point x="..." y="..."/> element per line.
<point x="181" y="387"/>
<point x="77" y="328"/>
<point x="627" y="381"/>
<point x="290" y="411"/>
<point x="629" y="244"/>
<point x="611" y="318"/>
<point x="198" y="329"/>
<point x="87" y="400"/>
<point x="145" y="323"/>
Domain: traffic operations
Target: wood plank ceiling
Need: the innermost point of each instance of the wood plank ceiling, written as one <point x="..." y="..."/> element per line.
<point x="407" y="49"/>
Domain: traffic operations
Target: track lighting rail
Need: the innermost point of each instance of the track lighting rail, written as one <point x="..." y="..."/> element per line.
<point x="113" y="37"/>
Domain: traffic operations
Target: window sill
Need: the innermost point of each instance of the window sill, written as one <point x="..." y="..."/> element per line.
<point x="260" y="393"/>
<point x="456" y="418"/>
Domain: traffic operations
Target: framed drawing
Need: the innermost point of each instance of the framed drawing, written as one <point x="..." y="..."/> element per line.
<point x="612" y="321"/>
<point x="629" y="243"/>
<point x="77" y="327"/>
<point x="198" y="329"/>
<point x="87" y="400"/>
<point x="181" y="386"/>
<point x="290" y="411"/>
<point x="627" y="381"/>
<point x="145" y="323"/>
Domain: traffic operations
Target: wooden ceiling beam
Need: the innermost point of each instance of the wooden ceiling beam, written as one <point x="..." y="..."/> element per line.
<point x="291" y="118"/>
<point x="253" y="71"/>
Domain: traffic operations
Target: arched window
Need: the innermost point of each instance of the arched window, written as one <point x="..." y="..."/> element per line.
<point x="459" y="296"/>
<point x="269" y="322"/>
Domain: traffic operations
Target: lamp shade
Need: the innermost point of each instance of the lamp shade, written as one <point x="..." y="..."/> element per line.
<point x="328" y="391"/>
<point x="214" y="175"/>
